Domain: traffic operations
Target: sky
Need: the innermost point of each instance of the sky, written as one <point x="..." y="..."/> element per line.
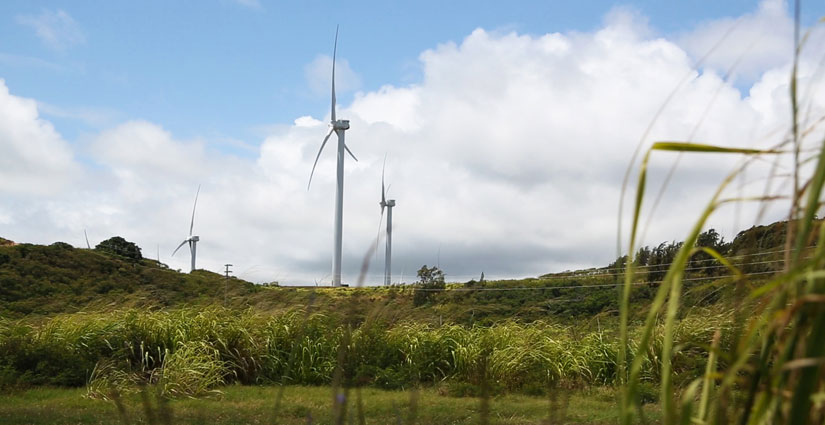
<point x="507" y="127"/>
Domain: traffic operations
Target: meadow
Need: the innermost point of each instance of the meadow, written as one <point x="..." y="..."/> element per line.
<point x="658" y="336"/>
<point x="303" y="405"/>
<point x="548" y="345"/>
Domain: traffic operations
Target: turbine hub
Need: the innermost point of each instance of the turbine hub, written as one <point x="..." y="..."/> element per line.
<point x="340" y="125"/>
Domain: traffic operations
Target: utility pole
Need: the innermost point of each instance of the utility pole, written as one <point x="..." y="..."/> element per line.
<point x="226" y="281"/>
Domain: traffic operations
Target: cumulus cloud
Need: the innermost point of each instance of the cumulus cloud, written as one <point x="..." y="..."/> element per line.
<point x="752" y="44"/>
<point x="506" y="157"/>
<point x="35" y="158"/>
<point x="55" y="28"/>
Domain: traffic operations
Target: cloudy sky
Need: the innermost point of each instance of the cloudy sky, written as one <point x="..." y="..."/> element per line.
<point x="507" y="126"/>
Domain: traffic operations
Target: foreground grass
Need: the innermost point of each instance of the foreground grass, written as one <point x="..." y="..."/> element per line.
<point x="254" y="405"/>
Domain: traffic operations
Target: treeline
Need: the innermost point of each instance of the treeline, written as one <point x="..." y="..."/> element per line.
<point x="753" y="251"/>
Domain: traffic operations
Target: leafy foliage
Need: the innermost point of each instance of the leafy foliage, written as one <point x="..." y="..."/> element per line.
<point x="430" y="280"/>
<point x="121" y="247"/>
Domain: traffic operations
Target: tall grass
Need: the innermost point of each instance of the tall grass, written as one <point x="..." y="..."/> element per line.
<point x="192" y="352"/>
<point x="767" y="366"/>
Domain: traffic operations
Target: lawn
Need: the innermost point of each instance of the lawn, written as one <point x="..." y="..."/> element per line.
<point x="255" y="405"/>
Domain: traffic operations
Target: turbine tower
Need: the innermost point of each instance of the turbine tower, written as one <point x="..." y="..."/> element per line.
<point x="192" y="240"/>
<point x="339" y="127"/>
<point x="388" y="204"/>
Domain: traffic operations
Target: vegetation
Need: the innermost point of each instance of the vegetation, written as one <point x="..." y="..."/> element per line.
<point x="713" y="332"/>
<point x="253" y="405"/>
<point x="430" y="280"/>
<point x="120" y="247"/>
<point x="772" y="371"/>
<point x="40" y="281"/>
<point x="191" y="352"/>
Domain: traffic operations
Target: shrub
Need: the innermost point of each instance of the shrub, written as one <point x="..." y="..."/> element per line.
<point x="120" y="247"/>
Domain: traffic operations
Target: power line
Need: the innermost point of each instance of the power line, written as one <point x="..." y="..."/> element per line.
<point x="595" y="272"/>
<point x="606" y="285"/>
<point x="588" y="275"/>
<point x="696" y="261"/>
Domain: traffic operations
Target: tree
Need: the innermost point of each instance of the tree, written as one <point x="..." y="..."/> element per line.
<point x="430" y="281"/>
<point x="642" y="256"/>
<point x="701" y="259"/>
<point x="120" y="247"/>
<point x="62" y="245"/>
<point x="660" y="259"/>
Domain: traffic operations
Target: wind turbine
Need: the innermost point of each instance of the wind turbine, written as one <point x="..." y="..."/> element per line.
<point x="388" y="204"/>
<point x="88" y="246"/>
<point x="192" y="240"/>
<point x="339" y="127"/>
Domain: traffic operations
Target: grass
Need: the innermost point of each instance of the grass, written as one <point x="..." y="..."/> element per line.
<point x="254" y="405"/>
<point x="760" y="361"/>
<point x="773" y="370"/>
<point x="191" y="352"/>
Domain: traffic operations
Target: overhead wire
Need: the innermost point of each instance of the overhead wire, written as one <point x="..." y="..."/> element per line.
<point x="606" y="285"/>
<point x="655" y="268"/>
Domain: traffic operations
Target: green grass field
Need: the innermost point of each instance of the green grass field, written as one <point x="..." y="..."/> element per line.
<point x="255" y="405"/>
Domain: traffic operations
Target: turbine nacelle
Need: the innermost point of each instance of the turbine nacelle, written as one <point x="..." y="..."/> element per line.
<point x="192" y="240"/>
<point x="340" y="125"/>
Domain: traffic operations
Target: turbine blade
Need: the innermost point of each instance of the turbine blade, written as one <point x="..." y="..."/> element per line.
<point x="383" y="195"/>
<point x="192" y="223"/>
<point x="380" y="221"/>
<point x="324" y="143"/>
<point x="350" y="152"/>
<point x="88" y="246"/>
<point x="334" y="52"/>
<point x="181" y="244"/>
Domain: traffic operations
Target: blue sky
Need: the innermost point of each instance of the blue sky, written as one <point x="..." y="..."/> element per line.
<point x="222" y="69"/>
<point x="508" y="126"/>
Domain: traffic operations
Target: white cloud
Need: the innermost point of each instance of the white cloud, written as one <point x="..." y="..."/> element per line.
<point x="318" y="74"/>
<point x="507" y="157"/>
<point x="752" y="44"/>
<point x="55" y="28"/>
<point x="95" y="117"/>
<point x="35" y="159"/>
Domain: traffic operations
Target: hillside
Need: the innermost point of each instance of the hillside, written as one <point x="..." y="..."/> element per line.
<point x="38" y="280"/>
<point x="42" y="280"/>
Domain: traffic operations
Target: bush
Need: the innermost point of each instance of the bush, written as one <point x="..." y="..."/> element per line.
<point x="120" y="247"/>
<point x="62" y="245"/>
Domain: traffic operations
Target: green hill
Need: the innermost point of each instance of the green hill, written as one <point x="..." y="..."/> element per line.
<point x="43" y="280"/>
<point x="37" y="280"/>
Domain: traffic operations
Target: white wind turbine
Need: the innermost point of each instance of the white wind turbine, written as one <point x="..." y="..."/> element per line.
<point x="388" y="204"/>
<point x="339" y="127"/>
<point x="192" y="240"/>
